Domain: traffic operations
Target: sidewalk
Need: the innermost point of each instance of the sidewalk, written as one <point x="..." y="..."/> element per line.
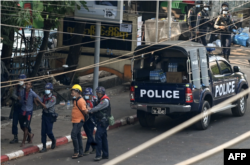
<point x="239" y="55"/>
<point x="120" y="108"/>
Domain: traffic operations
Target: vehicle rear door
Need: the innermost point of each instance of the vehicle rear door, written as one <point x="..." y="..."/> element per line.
<point x="217" y="81"/>
<point x="230" y="80"/>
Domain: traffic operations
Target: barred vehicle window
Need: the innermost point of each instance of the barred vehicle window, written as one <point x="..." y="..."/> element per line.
<point x="214" y="68"/>
<point x="225" y="68"/>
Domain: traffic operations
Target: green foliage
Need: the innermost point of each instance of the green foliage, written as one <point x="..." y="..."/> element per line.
<point x="12" y="14"/>
<point x="54" y="10"/>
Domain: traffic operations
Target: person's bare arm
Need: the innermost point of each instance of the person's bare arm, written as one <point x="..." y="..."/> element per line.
<point x="175" y="14"/>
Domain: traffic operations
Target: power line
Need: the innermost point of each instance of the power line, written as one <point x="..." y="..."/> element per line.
<point x="99" y="64"/>
<point x="151" y="45"/>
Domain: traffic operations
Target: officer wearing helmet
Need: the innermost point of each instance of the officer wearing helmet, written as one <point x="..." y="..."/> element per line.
<point x="79" y="112"/>
<point x="225" y="4"/>
<point x="16" y="96"/>
<point x="203" y="22"/>
<point x="225" y="25"/>
<point x="89" y="125"/>
<point x="192" y="18"/>
<point x="102" y="111"/>
<point x="48" y="103"/>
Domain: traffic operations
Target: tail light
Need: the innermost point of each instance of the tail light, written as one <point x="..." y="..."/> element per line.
<point x="132" y="93"/>
<point x="189" y="96"/>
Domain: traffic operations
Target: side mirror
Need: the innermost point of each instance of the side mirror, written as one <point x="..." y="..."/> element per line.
<point x="236" y="69"/>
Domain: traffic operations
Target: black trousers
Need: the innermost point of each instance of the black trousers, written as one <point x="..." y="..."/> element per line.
<point x="226" y="42"/>
<point x="77" y="137"/>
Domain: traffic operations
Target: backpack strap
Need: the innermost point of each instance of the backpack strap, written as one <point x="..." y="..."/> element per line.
<point x="86" y="116"/>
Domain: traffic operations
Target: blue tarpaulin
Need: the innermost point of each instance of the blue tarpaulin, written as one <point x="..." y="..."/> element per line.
<point x="241" y="39"/>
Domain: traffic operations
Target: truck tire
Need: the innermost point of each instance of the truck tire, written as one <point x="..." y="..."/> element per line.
<point x="241" y="107"/>
<point x="205" y="121"/>
<point x="145" y="119"/>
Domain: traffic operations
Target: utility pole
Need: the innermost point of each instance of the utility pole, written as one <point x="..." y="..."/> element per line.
<point x="169" y="17"/>
<point x="97" y="55"/>
<point x="156" y="21"/>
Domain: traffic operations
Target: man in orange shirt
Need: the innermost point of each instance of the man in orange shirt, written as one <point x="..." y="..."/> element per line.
<point x="78" y="112"/>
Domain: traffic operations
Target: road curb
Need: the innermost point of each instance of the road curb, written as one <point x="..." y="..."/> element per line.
<point x="62" y="140"/>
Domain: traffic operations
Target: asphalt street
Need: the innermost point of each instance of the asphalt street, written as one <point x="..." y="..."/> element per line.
<point x="181" y="146"/>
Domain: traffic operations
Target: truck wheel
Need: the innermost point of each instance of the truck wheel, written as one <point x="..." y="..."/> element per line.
<point x="241" y="107"/>
<point x="203" y="123"/>
<point x="145" y="119"/>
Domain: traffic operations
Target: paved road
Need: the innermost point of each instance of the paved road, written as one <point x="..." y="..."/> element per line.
<point x="178" y="147"/>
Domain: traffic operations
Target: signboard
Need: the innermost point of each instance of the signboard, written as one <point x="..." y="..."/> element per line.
<point x="139" y="31"/>
<point x="107" y="30"/>
<point x="108" y="11"/>
<point x="125" y="27"/>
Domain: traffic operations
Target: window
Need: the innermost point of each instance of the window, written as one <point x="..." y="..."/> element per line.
<point x="225" y="68"/>
<point x="214" y="68"/>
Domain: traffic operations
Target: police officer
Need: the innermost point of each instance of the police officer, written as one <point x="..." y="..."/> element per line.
<point x="102" y="111"/>
<point x="225" y="24"/>
<point x="17" y="107"/>
<point x="202" y="17"/>
<point x="192" y="18"/>
<point x="48" y="104"/>
<point x="225" y="4"/>
<point x="89" y="125"/>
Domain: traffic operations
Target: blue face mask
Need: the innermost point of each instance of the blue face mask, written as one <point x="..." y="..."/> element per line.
<point x="74" y="97"/>
<point x="86" y="97"/>
<point x="47" y="92"/>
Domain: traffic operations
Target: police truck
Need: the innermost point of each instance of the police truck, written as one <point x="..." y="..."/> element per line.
<point x="174" y="78"/>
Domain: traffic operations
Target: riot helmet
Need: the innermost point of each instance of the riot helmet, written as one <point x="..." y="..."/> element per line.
<point x="198" y="3"/>
<point x="224" y="10"/>
<point x="225" y="4"/>
<point x="206" y="6"/>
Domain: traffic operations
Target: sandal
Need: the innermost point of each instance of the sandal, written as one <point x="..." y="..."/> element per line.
<point x="75" y="156"/>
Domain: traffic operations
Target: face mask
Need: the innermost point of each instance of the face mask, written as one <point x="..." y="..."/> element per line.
<point x="224" y="12"/>
<point x="74" y="97"/>
<point x="206" y="8"/>
<point x="198" y="5"/>
<point x="47" y="92"/>
<point x="21" y="83"/>
<point x="86" y="97"/>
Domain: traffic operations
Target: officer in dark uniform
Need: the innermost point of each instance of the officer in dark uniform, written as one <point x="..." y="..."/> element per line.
<point x="17" y="107"/>
<point x="223" y="5"/>
<point x="202" y="17"/>
<point x="48" y="103"/>
<point x="102" y="111"/>
<point x="226" y="26"/>
<point x="89" y="125"/>
<point x="192" y="18"/>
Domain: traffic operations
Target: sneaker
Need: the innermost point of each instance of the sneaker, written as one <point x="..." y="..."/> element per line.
<point x="43" y="150"/>
<point x="93" y="151"/>
<point x="85" y="153"/>
<point x="98" y="158"/>
<point x="15" y="140"/>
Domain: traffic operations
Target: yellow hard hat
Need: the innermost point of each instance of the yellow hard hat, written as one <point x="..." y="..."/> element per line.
<point x="77" y="87"/>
